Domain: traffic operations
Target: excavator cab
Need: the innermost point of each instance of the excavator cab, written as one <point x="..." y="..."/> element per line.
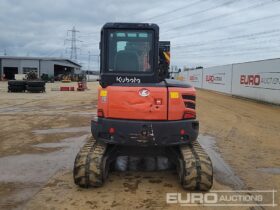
<point x="129" y="54"/>
<point x="141" y="113"/>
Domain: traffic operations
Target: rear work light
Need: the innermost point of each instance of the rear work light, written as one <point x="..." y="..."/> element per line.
<point x="100" y="113"/>
<point x="189" y="115"/>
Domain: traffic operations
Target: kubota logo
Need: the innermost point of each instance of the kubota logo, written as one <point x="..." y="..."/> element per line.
<point x="144" y="92"/>
<point x="128" y="80"/>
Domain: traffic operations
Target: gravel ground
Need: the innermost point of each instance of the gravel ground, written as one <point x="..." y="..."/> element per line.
<point x="41" y="134"/>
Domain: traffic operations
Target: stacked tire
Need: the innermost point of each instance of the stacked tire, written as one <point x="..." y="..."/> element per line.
<point x="35" y="86"/>
<point x="16" y="86"/>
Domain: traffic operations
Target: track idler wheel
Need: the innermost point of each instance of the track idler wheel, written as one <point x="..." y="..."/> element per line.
<point x="89" y="167"/>
<point x="197" y="171"/>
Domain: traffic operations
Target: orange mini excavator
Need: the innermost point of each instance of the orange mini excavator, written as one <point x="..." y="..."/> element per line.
<point x="141" y="113"/>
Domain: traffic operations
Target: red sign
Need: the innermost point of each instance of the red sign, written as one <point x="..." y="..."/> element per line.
<point x="193" y="78"/>
<point x="209" y="78"/>
<point x="250" y="79"/>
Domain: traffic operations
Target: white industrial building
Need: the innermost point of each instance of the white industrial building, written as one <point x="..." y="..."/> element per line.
<point x="11" y="65"/>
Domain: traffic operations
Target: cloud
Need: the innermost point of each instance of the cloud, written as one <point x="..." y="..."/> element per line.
<point x="39" y="28"/>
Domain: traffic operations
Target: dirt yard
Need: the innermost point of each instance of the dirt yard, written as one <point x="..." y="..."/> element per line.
<point x="40" y="135"/>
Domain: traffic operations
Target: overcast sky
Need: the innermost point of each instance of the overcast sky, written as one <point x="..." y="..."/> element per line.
<point x="202" y="32"/>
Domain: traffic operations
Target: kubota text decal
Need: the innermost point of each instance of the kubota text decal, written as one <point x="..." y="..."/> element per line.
<point x="128" y="80"/>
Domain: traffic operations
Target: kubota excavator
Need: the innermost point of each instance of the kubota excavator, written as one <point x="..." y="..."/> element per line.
<point x="140" y="111"/>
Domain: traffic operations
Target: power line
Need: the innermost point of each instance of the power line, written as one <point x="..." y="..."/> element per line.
<point x="90" y="43"/>
<point x="89" y="55"/>
<point x="228" y="26"/>
<point x="215" y="7"/>
<point x="59" y="48"/>
<point x="244" y="52"/>
<point x="258" y="34"/>
<point x="199" y="22"/>
<point x="228" y="47"/>
<point x="91" y="33"/>
<point x="172" y="11"/>
<point x="221" y="16"/>
<point x="51" y="52"/>
<point x="202" y="11"/>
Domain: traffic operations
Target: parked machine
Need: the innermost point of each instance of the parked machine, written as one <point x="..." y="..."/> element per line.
<point x="141" y="112"/>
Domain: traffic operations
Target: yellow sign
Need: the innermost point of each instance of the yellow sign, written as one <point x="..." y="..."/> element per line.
<point x="103" y="93"/>
<point x="174" y="95"/>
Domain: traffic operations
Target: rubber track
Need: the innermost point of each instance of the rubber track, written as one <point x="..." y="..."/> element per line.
<point x="88" y="164"/>
<point x="198" y="171"/>
<point x="95" y="165"/>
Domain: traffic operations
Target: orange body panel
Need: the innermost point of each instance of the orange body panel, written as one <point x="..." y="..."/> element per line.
<point x="124" y="102"/>
<point x="177" y="107"/>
